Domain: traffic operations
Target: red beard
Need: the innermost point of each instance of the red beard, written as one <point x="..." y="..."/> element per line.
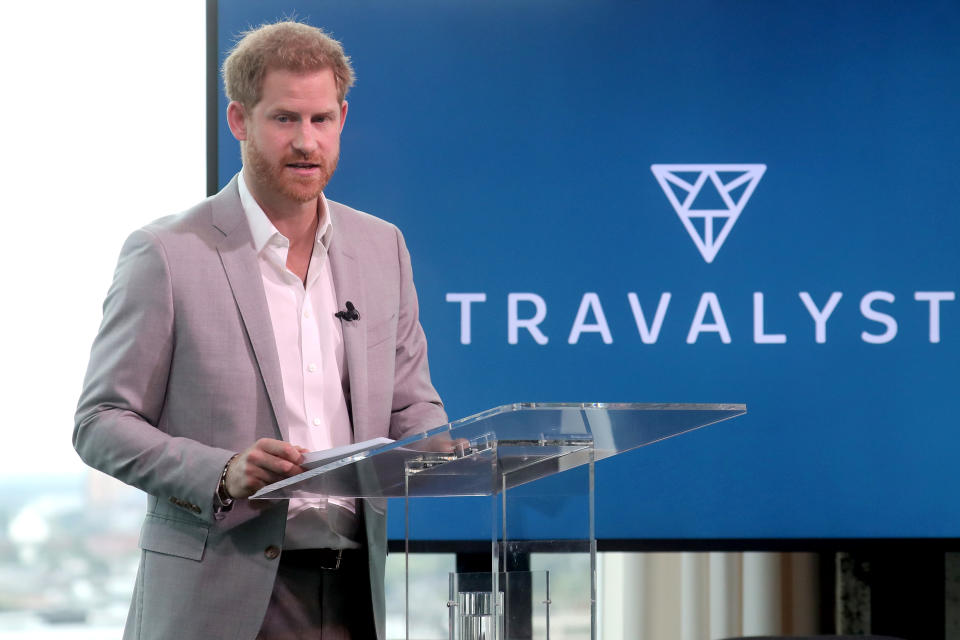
<point x="279" y="179"/>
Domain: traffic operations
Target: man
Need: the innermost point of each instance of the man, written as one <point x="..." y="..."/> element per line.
<point x="264" y="322"/>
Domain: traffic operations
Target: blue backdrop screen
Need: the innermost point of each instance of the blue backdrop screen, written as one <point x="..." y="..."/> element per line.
<point x="715" y="201"/>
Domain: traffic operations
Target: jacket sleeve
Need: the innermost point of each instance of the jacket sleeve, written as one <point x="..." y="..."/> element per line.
<point x="416" y="404"/>
<point x="116" y="427"/>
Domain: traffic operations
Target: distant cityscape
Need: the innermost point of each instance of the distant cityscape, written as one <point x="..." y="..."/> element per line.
<point x="68" y="555"/>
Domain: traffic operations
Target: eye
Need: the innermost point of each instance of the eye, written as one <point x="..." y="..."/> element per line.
<point x="283" y="119"/>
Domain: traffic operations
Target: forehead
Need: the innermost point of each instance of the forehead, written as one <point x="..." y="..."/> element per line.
<point x="310" y="89"/>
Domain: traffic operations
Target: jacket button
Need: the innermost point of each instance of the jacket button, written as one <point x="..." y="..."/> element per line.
<point x="272" y="552"/>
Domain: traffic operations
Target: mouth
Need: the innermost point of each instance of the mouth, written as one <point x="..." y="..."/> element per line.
<point x="304" y="170"/>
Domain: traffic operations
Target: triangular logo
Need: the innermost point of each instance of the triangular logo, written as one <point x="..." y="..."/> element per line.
<point x="696" y="190"/>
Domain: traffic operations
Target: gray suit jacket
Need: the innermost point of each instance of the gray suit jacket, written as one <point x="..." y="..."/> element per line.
<point x="184" y="373"/>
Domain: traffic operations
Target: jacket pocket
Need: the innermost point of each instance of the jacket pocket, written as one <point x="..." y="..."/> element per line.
<point x="173" y="537"/>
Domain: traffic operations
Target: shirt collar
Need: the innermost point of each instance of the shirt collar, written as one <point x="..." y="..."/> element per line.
<point x="263" y="230"/>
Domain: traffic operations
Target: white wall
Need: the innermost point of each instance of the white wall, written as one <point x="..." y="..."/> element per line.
<point x="103" y="130"/>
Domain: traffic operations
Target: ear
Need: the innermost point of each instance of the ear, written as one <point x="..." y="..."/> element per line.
<point x="343" y="115"/>
<point x="237" y="120"/>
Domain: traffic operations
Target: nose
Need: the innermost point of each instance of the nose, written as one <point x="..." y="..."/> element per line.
<point x="304" y="141"/>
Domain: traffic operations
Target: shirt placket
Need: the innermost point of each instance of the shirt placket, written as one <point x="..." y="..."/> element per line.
<point x="311" y="349"/>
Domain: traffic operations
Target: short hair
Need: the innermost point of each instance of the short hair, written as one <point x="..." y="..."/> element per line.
<point x="289" y="46"/>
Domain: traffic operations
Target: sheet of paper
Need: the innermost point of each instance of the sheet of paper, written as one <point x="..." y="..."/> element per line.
<point x="315" y="459"/>
<point x="319" y="458"/>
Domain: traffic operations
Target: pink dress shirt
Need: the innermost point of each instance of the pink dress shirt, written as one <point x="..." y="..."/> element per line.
<point x="310" y="345"/>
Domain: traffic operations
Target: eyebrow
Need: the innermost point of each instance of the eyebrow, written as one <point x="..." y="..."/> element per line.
<point x="329" y="113"/>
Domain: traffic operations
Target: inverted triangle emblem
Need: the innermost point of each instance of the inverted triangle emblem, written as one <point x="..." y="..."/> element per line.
<point x="708" y="198"/>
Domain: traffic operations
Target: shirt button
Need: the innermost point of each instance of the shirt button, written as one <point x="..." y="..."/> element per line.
<point x="312" y="368"/>
<point x="272" y="552"/>
<point x="316" y="422"/>
<point x="306" y="314"/>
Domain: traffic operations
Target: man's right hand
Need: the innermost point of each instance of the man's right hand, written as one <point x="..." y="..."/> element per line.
<point x="266" y="462"/>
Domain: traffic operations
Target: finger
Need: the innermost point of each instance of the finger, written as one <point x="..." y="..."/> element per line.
<point x="269" y="463"/>
<point x="446" y="445"/>
<point x="258" y="478"/>
<point x="280" y="449"/>
<point x="253" y="478"/>
<point x="281" y="469"/>
<point x="273" y="464"/>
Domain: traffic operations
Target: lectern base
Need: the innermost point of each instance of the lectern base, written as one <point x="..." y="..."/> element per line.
<point x="523" y="599"/>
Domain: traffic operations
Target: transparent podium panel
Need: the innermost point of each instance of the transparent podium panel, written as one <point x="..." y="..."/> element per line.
<point x="525" y="464"/>
<point x="569" y="561"/>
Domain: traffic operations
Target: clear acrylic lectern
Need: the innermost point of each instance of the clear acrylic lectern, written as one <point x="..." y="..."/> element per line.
<point x="499" y="451"/>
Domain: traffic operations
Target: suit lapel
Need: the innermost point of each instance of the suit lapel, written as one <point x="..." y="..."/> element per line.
<point x="348" y="281"/>
<point x="239" y="261"/>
